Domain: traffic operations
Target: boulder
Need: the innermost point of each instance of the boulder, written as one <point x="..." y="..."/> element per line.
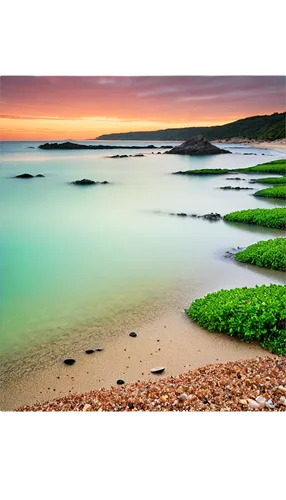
<point x="196" y="145"/>
<point x="87" y="182"/>
<point x="24" y="176"/>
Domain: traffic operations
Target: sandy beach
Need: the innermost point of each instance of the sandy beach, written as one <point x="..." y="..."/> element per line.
<point x="278" y="145"/>
<point x="172" y="341"/>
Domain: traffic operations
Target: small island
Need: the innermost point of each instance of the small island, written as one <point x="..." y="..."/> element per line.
<point x="73" y="145"/>
<point x="197" y="145"/>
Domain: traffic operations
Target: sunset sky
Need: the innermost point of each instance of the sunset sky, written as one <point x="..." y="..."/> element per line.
<point x="50" y="108"/>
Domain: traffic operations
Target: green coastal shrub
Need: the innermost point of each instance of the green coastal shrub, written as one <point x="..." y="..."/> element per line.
<point x="274" y="192"/>
<point x="273" y="167"/>
<point x="204" y="171"/>
<point x="270" y="254"/>
<point x="252" y="314"/>
<point x="268" y="217"/>
<point x="270" y="180"/>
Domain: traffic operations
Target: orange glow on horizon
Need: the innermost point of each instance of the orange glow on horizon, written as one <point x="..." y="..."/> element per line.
<point x="60" y="108"/>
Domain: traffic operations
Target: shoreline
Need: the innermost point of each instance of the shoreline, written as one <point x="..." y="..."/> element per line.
<point x="278" y="145"/>
<point x="172" y="341"/>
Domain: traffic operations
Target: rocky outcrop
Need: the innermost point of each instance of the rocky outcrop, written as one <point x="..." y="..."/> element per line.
<point x="197" y="145"/>
<point x="27" y="176"/>
<point x="211" y="217"/>
<point x="74" y="145"/>
<point x="87" y="182"/>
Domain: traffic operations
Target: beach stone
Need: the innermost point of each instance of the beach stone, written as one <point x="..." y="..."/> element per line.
<point x="183" y="397"/>
<point x="283" y="400"/>
<point x="159" y="369"/>
<point x="120" y="382"/>
<point x="69" y="361"/>
<point x="89" y="351"/>
<point x="132" y="334"/>
<point x="253" y="404"/>
<point x="99" y="349"/>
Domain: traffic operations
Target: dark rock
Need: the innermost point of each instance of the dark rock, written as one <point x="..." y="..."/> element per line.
<point x="236" y="188"/>
<point x="69" y="361"/>
<point x="235" y="179"/>
<point x="182" y="215"/>
<point x="24" y="176"/>
<point x="89" y="351"/>
<point x="139" y="154"/>
<point x="132" y="334"/>
<point x="212" y="216"/>
<point x="159" y="369"/>
<point x="83" y="182"/>
<point x="118" y="156"/>
<point x="159" y="153"/>
<point x="99" y="349"/>
<point x="197" y="145"/>
<point x="30" y="147"/>
<point x="39" y="175"/>
<point x="120" y="382"/>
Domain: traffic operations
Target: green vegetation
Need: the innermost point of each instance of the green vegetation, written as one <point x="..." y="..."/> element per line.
<point x="270" y="254"/>
<point x="249" y="313"/>
<point x="268" y="217"/>
<point x="269" y="180"/>
<point x="266" y="127"/>
<point x="274" y="192"/>
<point x="272" y="167"/>
<point x="204" y="171"/>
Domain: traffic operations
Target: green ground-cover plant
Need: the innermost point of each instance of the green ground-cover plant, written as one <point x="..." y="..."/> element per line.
<point x="204" y="171"/>
<point x="273" y="192"/>
<point x="274" y="167"/>
<point x="270" y="254"/>
<point x="252" y="314"/>
<point x="269" y="180"/>
<point x="268" y="217"/>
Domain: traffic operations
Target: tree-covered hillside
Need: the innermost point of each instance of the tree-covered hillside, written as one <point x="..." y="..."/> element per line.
<point x="267" y="127"/>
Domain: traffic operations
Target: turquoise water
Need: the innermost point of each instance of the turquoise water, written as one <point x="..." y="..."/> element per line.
<point x="72" y="256"/>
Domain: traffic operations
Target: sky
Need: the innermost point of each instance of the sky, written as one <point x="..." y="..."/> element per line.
<point x="64" y="107"/>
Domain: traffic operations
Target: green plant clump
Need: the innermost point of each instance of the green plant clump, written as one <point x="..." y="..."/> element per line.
<point x="204" y="171"/>
<point x="252" y="314"/>
<point x="273" y="167"/>
<point x="270" y="254"/>
<point x="273" y="192"/>
<point x="268" y="217"/>
<point x="270" y="180"/>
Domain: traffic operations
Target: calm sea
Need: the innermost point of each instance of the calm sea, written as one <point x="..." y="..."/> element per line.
<point x="74" y="256"/>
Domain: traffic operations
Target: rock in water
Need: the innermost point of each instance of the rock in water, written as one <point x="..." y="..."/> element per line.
<point x="83" y="182"/>
<point x="24" y="176"/>
<point x="159" y="369"/>
<point x="69" y="361"/>
<point x="196" y="145"/>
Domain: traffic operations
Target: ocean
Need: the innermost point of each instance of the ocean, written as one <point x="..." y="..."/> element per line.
<point x="73" y="257"/>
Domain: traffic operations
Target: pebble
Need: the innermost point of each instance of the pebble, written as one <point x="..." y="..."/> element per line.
<point x="69" y="361"/>
<point x="283" y="400"/>
<point x="207" y="383"/>
<point x="281" y="388"/>
<point x="132" y="334"/>
<point x="89" y="351"/>
<point x="159" y="369"/>
<point x="99" y="349"/>
<point x="183" y="397"/>
<point x="120" y="382"/>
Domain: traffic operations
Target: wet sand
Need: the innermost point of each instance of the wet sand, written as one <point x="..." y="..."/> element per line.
<point x="172" y="341"/>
